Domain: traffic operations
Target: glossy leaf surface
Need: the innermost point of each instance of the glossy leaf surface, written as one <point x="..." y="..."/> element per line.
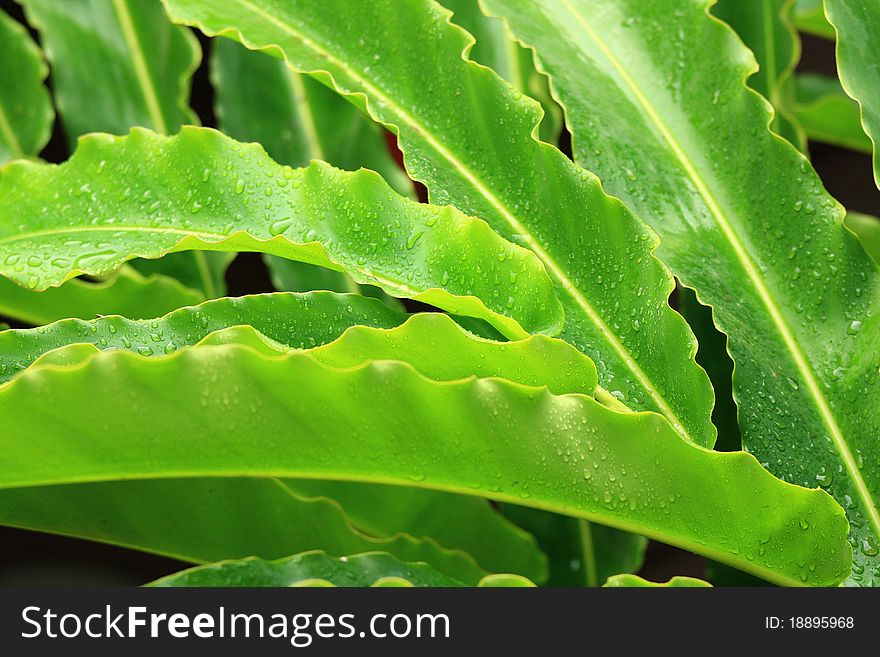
<point x="827" y="114"/>
<point x="296" y="120"/>
<point x="496" y="48"/>
<point x="565" y="453"/>
<point x="447" y="126"/>
<point x="299" y="321"/>
<point x="743" y="219"/>
<point x="147" y="195"/>
<point x="765" y="27"/>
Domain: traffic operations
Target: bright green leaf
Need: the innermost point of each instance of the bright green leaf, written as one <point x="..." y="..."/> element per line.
<point x="613" y="290"/>
<point x="496" y="48"/>
<point x="743" y="219"/>
<point x="147" y="195"/>
<point x="867" y="229"/>
<point x="809" y="17"/>
<point x="545" y="450"/>
<point x="296" y="120"/>
<point x="299" y="321"/>
<point x="625" y="581"/>
<point x="147" y="65"/>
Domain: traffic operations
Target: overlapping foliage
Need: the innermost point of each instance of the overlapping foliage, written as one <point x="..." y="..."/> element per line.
<point x="552" y="414"/>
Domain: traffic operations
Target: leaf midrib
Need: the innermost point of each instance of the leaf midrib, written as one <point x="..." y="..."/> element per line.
<point x="526" y="236"/>
<point x="748" y="266"/>
<point x="404" y="288"/>
<point x="304" y="115"/>
<point x="142" y="73"/>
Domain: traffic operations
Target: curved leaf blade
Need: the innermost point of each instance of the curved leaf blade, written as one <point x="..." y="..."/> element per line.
<point x="146" y="64"/>
<point x="25" y="109"/>
<point x="208" y="519"/>
<point x="146" y="195"/>
<point x="538" y="198"/>
<point x="827" y="114"/>
<point x="790" y="286"/>
<point x="460" y="522"/>
<point x="299" y="321"/>
<point x="858" y="61"/>
<point x="496" y="48"/>
<point x="867" y="229"/>
<point x="296" y="120"/>
<point x="634" y="581"/>
<point x="608" y="462"/>
<point x="765" y="27"/>
<point x="126" y="292"/>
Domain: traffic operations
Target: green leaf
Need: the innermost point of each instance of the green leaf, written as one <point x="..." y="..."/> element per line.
<point x="616" y="305"/>
<point x="454" y="521"/>
<point x="125" y="292"/>
<point x="858" y="61"/>
<point x="496" y="48"/>
<point x="827" y="114"/>
<point x="212" y="518"/>
<point x="809" y="17"/>
<point x="296" y="120"/>
<point x="765" y="27"/>
<point x="563" y="453"/>
<point x="208" y="519"/>
<point x="305" y="320"/>
<point x="623" y="581"/>
<point x="299" y="321"/>
<point x="867" y="229"/>
<point x="147" y="64"/>
<point x="116" y="64"/>
<point x="315" y="569"/>
<point x="581" y="553"/>
<point x="25" y="109"/>
<point x="146" y="195"/>
<point x="743" y="220"/>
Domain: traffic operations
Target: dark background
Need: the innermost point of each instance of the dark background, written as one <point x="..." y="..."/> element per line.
<point x="32" y="558"/>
